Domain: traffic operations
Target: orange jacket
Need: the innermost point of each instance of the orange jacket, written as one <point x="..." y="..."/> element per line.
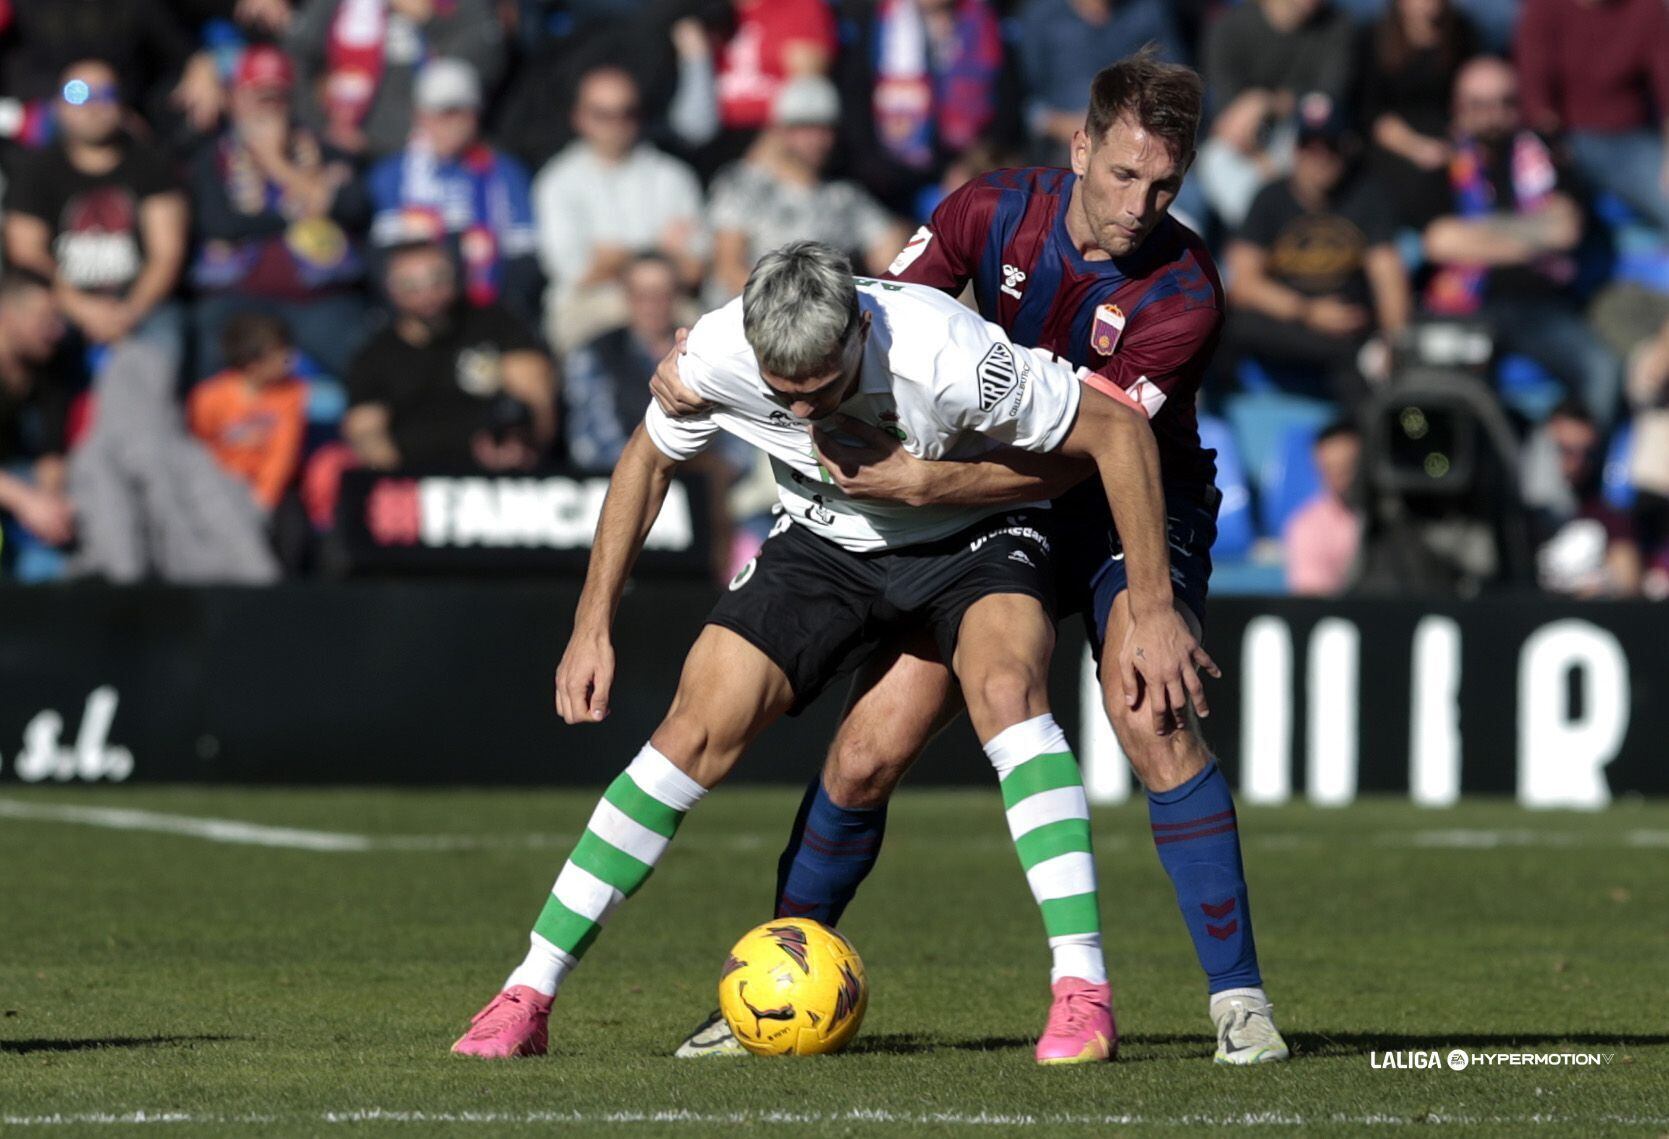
<point x="256" y="434"/>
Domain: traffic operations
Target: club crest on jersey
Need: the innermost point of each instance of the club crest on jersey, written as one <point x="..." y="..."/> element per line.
<point x="997" y="376"/>
<point x="1013" y="278"/>
<point x="1108" y="327"/>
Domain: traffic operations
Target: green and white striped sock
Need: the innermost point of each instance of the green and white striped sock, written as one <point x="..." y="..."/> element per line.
<point x="635" y="819"/>
<point x="1048" y="818"/>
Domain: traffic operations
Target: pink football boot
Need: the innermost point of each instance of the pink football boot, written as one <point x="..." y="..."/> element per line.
<point x="1080" y="1028"/>
<point x="514" y="1023"/>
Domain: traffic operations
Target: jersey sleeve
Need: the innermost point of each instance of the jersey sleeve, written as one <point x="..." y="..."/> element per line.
<point x="943" y="252"/>
<point x="1161" y="358"/>
<point x="985" y="383"/>
<point x="685" y="438"/>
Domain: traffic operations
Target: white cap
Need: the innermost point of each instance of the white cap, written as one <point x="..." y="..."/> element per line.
<point x="809" y="100"/>
<point x="444" y="84"/>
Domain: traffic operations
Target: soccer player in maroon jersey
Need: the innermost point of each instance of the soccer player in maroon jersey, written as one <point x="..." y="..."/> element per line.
<point x="1088" y="264"/>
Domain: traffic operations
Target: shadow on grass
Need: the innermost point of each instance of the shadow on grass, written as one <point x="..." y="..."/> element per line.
<point x="1171" y="1046"/>
<point x="23" y="1047"/>
<point x="908" y="1043"/>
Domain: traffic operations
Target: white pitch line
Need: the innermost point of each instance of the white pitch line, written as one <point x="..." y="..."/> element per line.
<point x="239" y="832"/>
<point x="877" y="1116"/>
<point x="215" y="830"/>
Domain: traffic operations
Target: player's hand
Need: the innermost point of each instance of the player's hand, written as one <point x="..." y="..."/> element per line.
<point x="1159" y="663"/>
<point x="584" y="678"/>
<point x="867" y="462"/>
<point x="668" y="387"/>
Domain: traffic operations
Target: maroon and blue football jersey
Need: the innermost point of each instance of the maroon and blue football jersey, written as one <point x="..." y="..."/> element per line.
<point x="1146" y="323"/>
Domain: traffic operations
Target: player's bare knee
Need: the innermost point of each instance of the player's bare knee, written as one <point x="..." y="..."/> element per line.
<point x="1160" y="762"/>
<point x="1005" y="693"/>
<point x="686" y="742"/>
<point x="861" y="774"/>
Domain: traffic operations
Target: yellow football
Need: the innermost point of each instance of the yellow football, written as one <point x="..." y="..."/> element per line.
<point x="793" y="987"/>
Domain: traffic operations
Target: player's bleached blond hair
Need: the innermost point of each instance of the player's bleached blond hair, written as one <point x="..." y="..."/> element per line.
<point x="800" y="310"/>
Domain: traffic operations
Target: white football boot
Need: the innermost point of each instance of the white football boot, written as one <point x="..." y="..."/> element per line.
<point x="712" y="1037"/>
<point x="1246" y="1032"/>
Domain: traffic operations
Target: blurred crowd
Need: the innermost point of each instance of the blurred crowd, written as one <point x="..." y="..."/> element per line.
<point x="249" y="245"/>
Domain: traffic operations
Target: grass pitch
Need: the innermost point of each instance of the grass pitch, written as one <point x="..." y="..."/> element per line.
<point x="158" y="982"/>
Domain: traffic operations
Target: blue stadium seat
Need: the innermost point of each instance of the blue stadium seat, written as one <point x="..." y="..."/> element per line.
<point x="1260" y="421"/>
<point x="1619" y="491"/>
<point x="1527" y="387"/>
<point x="1235" y="529"/>
<point x="1290" y="478"/>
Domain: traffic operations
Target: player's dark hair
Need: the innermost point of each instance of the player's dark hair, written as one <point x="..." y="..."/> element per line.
<point x="1165" y="98"/>
<point x="15" y="282"/>
<point x="1337" y="430"/>
<point x="250" y="335"/>
<point x="1572" y="408"/>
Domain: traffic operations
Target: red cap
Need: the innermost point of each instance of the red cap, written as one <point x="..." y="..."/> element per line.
<point x="264" y="65"/>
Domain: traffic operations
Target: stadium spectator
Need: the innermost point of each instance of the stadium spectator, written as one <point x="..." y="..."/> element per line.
<point x="1648" y="467"/>
<point x="936" y="80"/>
<point x="772" y="42"/>
<point x="1585" y="547"/>
<point x="1259" y="58"/>
<point x="448" y="384"/>
<point x="143" y="41"/>
<point x="1503" y="254"/>
<point x="357" y="62"/>
<point x="1063" y="43"/>
<point x="603" y="389"/>
<point x="34" y="405"/>
<point x="1322" y="536"/>
<point x="1595" y="70"/>
<point x="1410" y="58"/>
<point x="252" y="416"/>
<point x="448" y="183"/>
<point x="606" y="198"/>
<point x="101" y="214"/>
<point x="778" y="194"/>
<point x="275" y="211"/>
<point x="150" y="501"/>
<point x="1314" y="273"/>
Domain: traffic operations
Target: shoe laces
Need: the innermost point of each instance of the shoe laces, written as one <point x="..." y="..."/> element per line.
<point x="1242" y="1016"/>
<point x="503" y="1012"/>
<point x="1080" y="1007"/>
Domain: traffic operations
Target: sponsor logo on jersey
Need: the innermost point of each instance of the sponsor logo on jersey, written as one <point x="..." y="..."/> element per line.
<point x="1108" y="327"/>
<point x="914" y="248"/>
<point x="819" y="513"/>
<point x="1014" y="278"/>
<point x="997" y="375"/>
<point x="1022" y="557"/>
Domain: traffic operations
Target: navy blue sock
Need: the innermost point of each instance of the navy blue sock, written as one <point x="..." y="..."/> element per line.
<point x="1198" y="840"/>
<point x="830" y="851"/>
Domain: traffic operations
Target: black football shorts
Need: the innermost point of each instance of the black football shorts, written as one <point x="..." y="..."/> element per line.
<point x="817" y="610"/>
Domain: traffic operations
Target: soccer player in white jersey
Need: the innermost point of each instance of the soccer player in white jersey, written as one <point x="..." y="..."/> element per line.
<point x="804" y="342"/>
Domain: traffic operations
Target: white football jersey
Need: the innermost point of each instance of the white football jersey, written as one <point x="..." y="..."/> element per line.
<point x="947" y="383"/>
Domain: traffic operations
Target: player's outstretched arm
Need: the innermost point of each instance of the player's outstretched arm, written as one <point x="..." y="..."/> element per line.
<point x="1161" y="657"/>
<point x="635" y="493"/>
<point x="866" y="462"/>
